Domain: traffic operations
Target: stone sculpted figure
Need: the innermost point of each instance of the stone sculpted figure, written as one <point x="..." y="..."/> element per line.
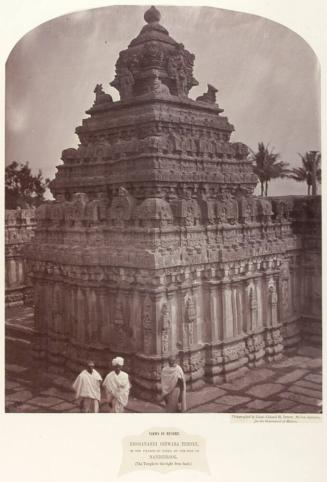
<point x="190" y="210"/>
<point x="285" y="295"/>
<point x="119" y="312"/>
<point x="122" y="192"/>
<point x="273" y="298"/>
<point x="157" y="87"/>
<point x="250" y="349"/>
<point x="69" y="155"/>
<point x="240" y="150"/>
<point x="190" y="310"/>
<point x="273" y="301"/>
<point x="69" y="213"/>
<point x="152" y="55"/>
<point x="221" y="209"/>
<point x="100" y="96"/>
<point x="176" y="71"/>
<point x="245" y="209"/>
<point x="209" y="210"/>
<point x="121" y="207"/>
<point x="253" y="303"/>
<point x="134" y="64"/>
<point x="231" y="207"/>
<point x="96" y="210"/>
<point x="165" y="317"/>
<point x="203" y="145"/>
<point x="174" y="142"/>
<point x="281" y="210"/>
<point x="79" y="208"/>
<point x="126" y="83"/>
<point x="190" y="145"/>
<point x="57" y="210"/>
<point x="210" y="96"/>
<point x="147" y="324"/>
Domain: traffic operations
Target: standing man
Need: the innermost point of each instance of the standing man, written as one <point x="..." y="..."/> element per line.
<point x="117" y="386"/>
<point x="87" y="389"/>
<point x="173" y="387"/>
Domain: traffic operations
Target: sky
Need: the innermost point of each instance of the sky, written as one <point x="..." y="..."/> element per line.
<point x="268" y="79"/>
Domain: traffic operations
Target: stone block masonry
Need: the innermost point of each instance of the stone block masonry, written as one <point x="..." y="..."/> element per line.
<point x="19" y="232"/>
<point x="155" y="243"/>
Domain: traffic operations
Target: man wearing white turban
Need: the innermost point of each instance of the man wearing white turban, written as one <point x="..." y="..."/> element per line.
<point x="87" y="389"/>
<point x="117" y="386"/>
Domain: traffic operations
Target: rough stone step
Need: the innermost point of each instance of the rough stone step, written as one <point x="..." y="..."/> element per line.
<point x="232" y="400"/>
<point x="55" y="392"/>
<point x="306" y="391"/>
<point x="312" y="364"/>
<point x="301" y="398"/>
<point x="291" y="362"/>
<point x="45" y="402"/>
<point x="18" y="340"/>
<point x="63" y="383"/>
<point x="306" y="384"/>
<point x="252" y="377"/>
<point x="64" y="407"/>
<point x="19" y="396"/>
<point x="135" y="405"/>
<point x="292" y="376"/>
<point x="211" y="407"/>
<point x="311" y="351"/>
<point x="13" y="332"/>
<point x="305" y="409"/>
<point x="23" y="408"/>
<point x="265" y="390"/>
<point x="205" y="395"/>
<point x="12" y="367"/>
<point x="313" y="378"/>
<point x="282" y="406"/>
<point x="258" y="405"/>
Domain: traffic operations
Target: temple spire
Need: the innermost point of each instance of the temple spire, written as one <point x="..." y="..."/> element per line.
<point x="154" y="63"/>
<point x="152" y="15"/>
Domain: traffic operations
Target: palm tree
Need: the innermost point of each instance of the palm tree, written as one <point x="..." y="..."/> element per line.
<point x="267" y="166"/>
<point x="310" y="172"/>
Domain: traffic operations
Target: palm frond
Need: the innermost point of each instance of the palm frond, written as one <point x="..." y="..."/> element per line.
<point x="305" y="173"/>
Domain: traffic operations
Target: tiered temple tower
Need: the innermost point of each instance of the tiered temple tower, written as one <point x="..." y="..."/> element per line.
<point x="155" y="243"/>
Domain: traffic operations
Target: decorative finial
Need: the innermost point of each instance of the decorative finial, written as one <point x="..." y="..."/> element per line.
<point x="152" y="15"/>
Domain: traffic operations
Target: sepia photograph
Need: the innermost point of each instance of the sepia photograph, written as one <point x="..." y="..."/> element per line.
<point x="163" y="215"/>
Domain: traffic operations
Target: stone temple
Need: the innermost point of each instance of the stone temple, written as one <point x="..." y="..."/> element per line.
<point x="155" y="243"/>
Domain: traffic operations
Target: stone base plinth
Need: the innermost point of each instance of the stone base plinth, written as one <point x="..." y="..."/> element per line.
<point x="204" y="364"/>
<point x="292" y="335"/>
<point x="312" y="330"/>
<point x="19" y="295"/>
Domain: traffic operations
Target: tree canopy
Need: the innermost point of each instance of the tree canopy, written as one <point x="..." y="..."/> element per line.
<point x="309" y="172"/>
<point x="22" y="188"/>
<point x="267" y="166"/>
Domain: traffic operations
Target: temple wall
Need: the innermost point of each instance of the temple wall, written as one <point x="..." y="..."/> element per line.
<point x="19" y="231"/>
<point x="308" y="296"/>
<point x="220" y="315"/>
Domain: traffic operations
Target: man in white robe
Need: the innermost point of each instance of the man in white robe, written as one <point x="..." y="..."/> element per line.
<point x="173" y="387"/>
<point x="87" y="389"/>
<point x="117" y="386"/>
